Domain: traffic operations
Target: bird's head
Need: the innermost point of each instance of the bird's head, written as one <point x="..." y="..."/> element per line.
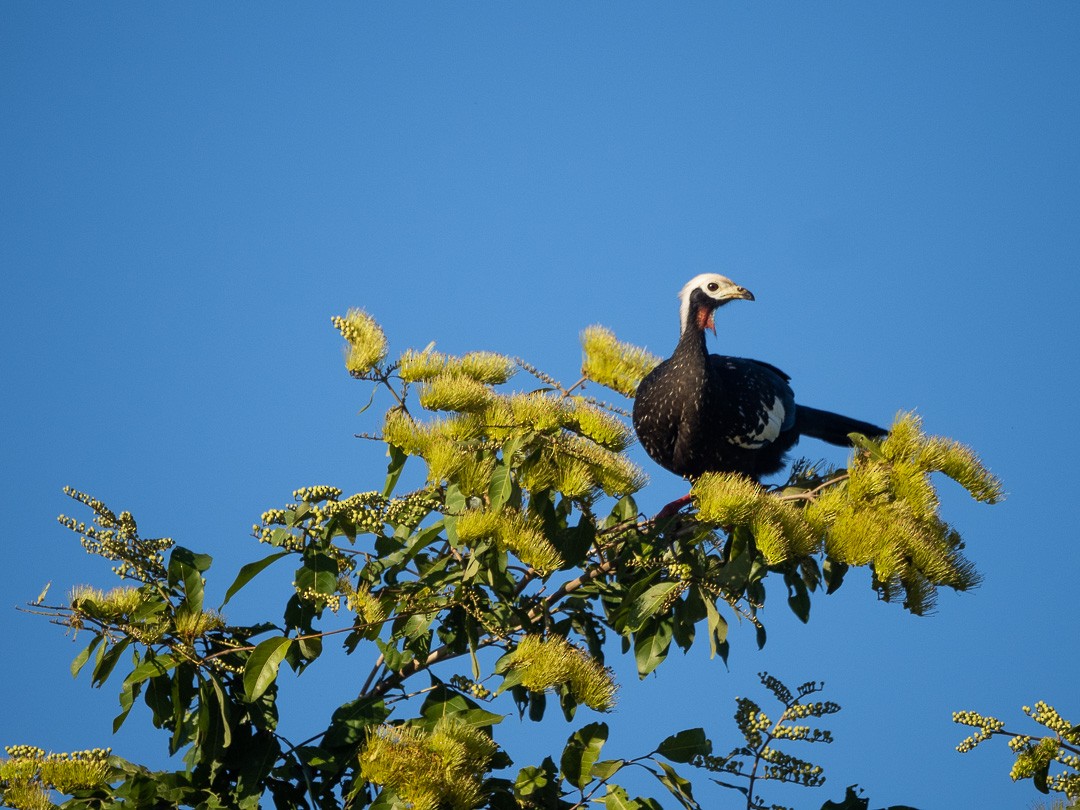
<point x="701" y="296"/>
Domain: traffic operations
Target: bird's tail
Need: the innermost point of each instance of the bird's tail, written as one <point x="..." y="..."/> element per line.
<point x="832" y="427"/>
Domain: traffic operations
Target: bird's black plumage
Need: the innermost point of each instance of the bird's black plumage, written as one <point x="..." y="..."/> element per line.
<point x="698" y="412"/>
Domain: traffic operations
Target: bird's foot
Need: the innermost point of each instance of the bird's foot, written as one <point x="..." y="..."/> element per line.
<point x="673" y="508"/>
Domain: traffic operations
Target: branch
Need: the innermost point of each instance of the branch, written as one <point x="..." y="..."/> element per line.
<point x="445" y="653"/>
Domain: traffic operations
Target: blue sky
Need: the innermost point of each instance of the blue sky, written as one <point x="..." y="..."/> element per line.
<point x="189" y="192"/>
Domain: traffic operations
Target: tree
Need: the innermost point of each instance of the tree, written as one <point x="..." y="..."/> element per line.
<point x="525" y="541"/>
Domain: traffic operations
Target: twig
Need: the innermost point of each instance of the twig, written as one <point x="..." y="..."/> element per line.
<point x="810" y="494"/>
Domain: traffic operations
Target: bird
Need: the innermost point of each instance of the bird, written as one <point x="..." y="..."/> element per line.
<point x="698" y="412"/>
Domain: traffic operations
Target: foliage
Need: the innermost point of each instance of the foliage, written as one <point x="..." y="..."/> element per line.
<point x="517" y="567"/>
<point x="759" y="759"/>
<point x="1035" y="755"/>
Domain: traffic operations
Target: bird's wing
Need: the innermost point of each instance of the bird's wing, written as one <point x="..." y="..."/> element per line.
<point x="757" y="404"/>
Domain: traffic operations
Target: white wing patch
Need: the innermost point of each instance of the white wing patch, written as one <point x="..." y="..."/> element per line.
<point x="768" y="428"/>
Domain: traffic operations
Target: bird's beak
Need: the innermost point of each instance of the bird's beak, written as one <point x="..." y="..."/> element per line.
<point x="742" y="293"/>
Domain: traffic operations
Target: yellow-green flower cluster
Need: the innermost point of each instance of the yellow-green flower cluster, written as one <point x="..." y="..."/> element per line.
<point x="1031" y="756"/>
<point x="360" y="600"/>
<point x="613" y="363"/>
<point x="549" y="663"/>
<point x="906" y="444"/>
<point x="442" y="444"/>
<point x="117" y="607"/>
<point x="116" y="604"/>
<point x="484" y="367"/>
<point x="1034" y="755"/>
<point x="429" y="770"/>
<point x="780" y="530"/>
<point x="599" y="425"/>
<point x="414" y="366"/>
<point x="458" y="384"/>
<point x="539" y="411"/>
<point x="573" y="445"/>
<point x="612" y="472"/>
<point x="191" y="624"/>
<point x="367" y="341"/>
<point x="455" y="392"/>
<point x="28" y="776"/>
<point x="512" y="531"/>
<point x="885" y="513"/>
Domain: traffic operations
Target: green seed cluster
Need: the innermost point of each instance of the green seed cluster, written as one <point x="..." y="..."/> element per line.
<point x="116" y="537"/>
<point x="477" y="690"/>
<point x="786" y="768"/>
<point x="985" y="727"/>
<point x="317" y="494"/>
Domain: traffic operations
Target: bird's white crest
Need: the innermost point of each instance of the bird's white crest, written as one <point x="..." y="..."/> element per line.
<point x="725" y="289"/>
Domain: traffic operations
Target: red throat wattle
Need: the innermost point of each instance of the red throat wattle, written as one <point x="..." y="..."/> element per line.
<point x="705" y="320"/>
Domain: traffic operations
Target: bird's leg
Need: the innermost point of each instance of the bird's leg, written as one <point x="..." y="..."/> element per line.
<point x="673" y="507"/>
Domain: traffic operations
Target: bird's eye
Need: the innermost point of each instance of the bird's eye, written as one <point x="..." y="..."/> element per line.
<point x="713" y="286"/>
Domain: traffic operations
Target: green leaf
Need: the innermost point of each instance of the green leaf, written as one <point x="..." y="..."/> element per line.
<point x="651" y="647"/>
<point x="350" y="721"/>
<point x="455" y="499"/>
<point x="80" y="660"/>
<point x="623" y="511"/>
<point x="851" y="801"/>
<point x="249" y="572"/>
<point x="184" y="556"/>
<point x="262" y="666"/>
<point x="445" y="702"/>
<point x="223" y="708"/>
<point x="417" y="624"/>
<point x="539" y="784"/>
<point x="107" y="662"/>
<point x="309" y="648"/>
<point x="151" y="667"/>
<point x="680" y="788"/>
<point x="798" y="596"/>
<point x="718" y="628"/>
<point x="394" y="658"/>
<point x="530" y="780"/>
<point x="502" y="486"/>
<point x="581" y="753"/>
<point x="319" y="573"/>
<point x="833" y="572"/>
<point x="455" y="505"/>
<point x="128" y="693"/>
<point x="393" y="469"/>
<point x="685" y="745"/>
<point x="1042" y="773"/>
<point x="617" y="799"/>
<point x="648" y="604"/>
<point x="605" y="769"/>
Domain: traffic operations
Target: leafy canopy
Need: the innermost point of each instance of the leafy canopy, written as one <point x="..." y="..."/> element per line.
<point x="502" y="584"/>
